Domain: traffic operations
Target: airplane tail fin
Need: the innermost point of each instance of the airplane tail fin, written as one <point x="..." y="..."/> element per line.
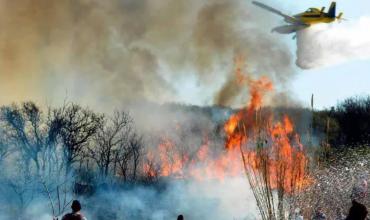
<point x="332" y="10"/>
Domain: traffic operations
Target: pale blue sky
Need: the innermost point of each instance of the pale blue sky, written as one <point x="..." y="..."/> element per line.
<point x="334" y="83"/>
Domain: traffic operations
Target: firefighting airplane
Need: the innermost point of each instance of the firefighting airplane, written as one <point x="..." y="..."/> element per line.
<point x="303" y="20"/>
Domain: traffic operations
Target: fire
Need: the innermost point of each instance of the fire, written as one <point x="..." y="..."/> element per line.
<point x="253" y="140"/>
<point x="205" y="164"/>
<point x="268" y="147"/>
<point x="257" y="89"/>
<point x="288" y="158"/>
<point x="275" y="145"/>
<point x="172" y="162"/>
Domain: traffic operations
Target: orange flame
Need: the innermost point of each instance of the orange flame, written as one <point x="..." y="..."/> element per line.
<point x="286" y="158"/>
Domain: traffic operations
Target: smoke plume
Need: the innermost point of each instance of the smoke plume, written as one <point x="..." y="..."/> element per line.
<point x="103" y="53"/>
<point x="109" y="53"/>
<point x="194" y="200"/>
<point x="330" y="44"/>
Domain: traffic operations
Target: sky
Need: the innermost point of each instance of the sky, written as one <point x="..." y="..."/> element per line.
<point x="333" y="84"/>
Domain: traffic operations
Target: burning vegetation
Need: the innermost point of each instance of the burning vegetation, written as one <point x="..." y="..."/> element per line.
<point x="268" y="151"/>
<point x="273" y="156"/>
<point x="71" y="152"/>
<point x="258" y="160"/>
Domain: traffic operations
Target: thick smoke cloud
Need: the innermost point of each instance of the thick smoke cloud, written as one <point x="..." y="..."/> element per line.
<point x="330" y="44"/>
<point x="109" y="53"/>
<point x="103" y="53"/>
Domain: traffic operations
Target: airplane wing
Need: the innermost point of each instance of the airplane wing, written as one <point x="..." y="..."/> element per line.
<point x="287" y="29"/>
<point x="287" y="18"/>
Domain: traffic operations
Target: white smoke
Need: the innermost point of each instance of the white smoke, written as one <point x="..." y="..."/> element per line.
<point x="216" y="200"/>
<point x="330" y="44"/>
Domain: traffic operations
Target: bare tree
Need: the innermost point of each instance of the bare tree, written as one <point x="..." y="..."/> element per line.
<point x="117" y="148"/>
<point x="5" y="149"/>
<point x="26" y="128"/>
<point x="32" y="137"/>
<point x="79" y="127"/>
<point x="128" y="156"/>
<point x="110" y="136"/>
<point x="136" y="146"/>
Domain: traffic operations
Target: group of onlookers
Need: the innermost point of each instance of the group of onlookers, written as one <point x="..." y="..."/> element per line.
<point x="357" y="212"/>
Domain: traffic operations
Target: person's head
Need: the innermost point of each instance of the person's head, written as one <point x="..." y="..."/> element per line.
<point x="180" y="217"/>
<point x="357" y="211"/>
<point x="76" y="206"/>
<point x="318" y="209"/>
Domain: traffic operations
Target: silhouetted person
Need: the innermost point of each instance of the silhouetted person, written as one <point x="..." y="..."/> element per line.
<point x="319" y="215"/>
<point x="75" y="215"/>
<point x="180" y="217"/>
<point x="357" y="211"/>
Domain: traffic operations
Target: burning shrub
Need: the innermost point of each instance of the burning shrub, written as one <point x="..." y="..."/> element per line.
<point x="273" y="157"/>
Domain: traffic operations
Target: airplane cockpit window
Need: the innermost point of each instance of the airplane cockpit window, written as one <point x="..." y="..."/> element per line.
<point x="311" y="10"/>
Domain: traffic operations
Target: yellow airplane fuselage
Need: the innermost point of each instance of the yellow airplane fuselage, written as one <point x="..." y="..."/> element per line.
<point x="314" y="16"/>
<point x="311" y="21"/>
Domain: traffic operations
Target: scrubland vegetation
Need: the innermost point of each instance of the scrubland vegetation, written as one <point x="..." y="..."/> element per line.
<point x="56" y="154"/>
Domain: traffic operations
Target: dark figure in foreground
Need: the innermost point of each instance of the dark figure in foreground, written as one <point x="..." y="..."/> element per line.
<point x="180" y="217"/>
<point x="75" y="215"/>
<point x="357" y="211"/>
<point x="319" y="215"/>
